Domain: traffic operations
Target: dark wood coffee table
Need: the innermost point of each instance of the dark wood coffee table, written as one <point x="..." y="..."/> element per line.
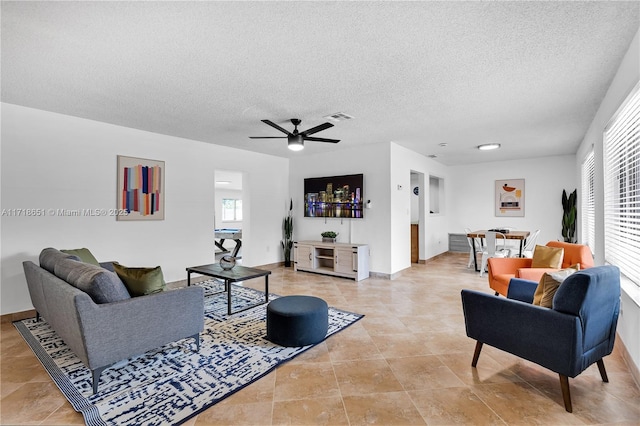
<point x="236" y="274"/>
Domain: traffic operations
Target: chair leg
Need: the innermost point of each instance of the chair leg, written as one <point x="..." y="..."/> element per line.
<point x="566" y="394"/>
<point x="196" y="337"/>
<point x="476" y="354"/>
<point x="95" y="376"/>
<point x="484" y="265"/>
<point x="603" y="371"/>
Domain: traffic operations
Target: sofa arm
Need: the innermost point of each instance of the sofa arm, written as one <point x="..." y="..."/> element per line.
<point x="522" y="290"/>
<point x="508" y="265"/>
<point x="533" y="274"/>
<point x="116" y="331"/>
<point x="538" y="334"/>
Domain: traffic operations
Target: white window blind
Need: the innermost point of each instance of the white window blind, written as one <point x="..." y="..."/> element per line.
<point x="588" y="203"/>
<point x="622" y="188"/>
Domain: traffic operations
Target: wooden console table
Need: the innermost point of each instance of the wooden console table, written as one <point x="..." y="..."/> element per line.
<point x="338" y="259"/>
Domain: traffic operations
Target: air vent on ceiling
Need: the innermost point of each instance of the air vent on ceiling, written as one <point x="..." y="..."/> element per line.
<point x="338" y="116"/>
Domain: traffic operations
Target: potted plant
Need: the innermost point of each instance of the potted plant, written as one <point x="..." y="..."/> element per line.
<point x="569" y="216"/>
<point x="287" y="234"/>
<point x="329" y="237"/>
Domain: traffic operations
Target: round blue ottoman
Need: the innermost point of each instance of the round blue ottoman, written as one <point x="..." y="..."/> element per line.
<point x="297" y="320"/>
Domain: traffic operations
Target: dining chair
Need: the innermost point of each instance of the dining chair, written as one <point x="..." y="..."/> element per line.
<point x="492" y="249"/>
<point x="527" y="250"/>
<point x="478" y="245"/>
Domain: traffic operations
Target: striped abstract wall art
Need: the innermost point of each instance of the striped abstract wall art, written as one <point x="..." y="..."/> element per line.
<point x="140" y="189"/>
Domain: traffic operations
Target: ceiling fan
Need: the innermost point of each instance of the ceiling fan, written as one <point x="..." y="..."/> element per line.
<point x="296" y="139"/>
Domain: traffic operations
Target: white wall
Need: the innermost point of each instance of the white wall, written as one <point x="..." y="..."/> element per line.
<point x="433" y="232"/>
<point x="625" y="80"/>
<point x="373" y="229"/>
<point x="434" y="195"/>
<point x="61" y="162"/>
<point x="472" y="194"/>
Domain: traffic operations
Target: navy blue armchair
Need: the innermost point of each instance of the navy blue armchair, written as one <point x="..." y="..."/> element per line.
<point x="577" y="331"/>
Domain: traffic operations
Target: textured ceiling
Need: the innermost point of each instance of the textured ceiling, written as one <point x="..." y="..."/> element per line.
<point x="528" y="75"/>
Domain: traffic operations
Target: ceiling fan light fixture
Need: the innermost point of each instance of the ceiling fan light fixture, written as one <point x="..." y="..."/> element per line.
<point x="295" y="139"/>
<point x="295" y="143"/>
<point x="488" y="146"/>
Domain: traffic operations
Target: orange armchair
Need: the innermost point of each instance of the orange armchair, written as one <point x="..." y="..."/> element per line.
<point x="501" y="270"/>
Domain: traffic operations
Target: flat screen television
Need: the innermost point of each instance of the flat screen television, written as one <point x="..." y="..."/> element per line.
<point x="334" y="196"/>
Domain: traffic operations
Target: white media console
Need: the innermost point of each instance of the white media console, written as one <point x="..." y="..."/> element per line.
<point x="339" y="259"/>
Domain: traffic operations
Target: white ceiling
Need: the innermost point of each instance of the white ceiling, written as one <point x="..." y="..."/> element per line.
<point x="528" y="75"/>
<point x="229" y="180"/>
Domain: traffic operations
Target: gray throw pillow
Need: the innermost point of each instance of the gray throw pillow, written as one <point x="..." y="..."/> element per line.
<point x="50" y="256"/>
<point x="101" y="285"/>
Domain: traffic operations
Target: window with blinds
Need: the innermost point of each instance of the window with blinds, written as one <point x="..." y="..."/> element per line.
<point x="622" y="188"/>
<point x="588" y="203"/>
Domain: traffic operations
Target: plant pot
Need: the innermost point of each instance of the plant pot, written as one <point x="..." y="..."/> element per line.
<point x="328" y="240"/>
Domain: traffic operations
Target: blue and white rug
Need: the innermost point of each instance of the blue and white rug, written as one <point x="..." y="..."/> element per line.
<point x="169" y="385"/>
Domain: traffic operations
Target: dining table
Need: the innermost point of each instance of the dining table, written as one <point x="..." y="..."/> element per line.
<point x="508" y="234"/>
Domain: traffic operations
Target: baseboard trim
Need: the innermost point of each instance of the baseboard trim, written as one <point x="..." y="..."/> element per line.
<point x="17" y="316"/>
<point x="379" y="275"/>
<point x="635" y="373"/>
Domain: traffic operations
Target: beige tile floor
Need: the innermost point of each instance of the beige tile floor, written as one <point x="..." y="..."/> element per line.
<point x="407" y="362"/>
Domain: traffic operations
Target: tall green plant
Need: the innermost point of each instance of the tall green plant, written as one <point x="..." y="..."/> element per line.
<point x="569" y="216"/>
<point x="287" y="235"/>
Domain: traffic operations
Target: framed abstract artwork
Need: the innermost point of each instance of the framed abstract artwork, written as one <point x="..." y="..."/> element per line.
<point x="509" y="198"/>
<point x="140" y="189"/>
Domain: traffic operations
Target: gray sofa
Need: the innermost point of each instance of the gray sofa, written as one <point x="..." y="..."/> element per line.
<point x="101" y="331"/>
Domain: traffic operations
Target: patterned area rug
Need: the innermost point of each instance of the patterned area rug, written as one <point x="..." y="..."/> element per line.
<point x="169" y="385"/>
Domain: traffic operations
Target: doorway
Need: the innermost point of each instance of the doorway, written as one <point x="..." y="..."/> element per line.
<point x="228" y="214"/>
<point x="417" y="214"/>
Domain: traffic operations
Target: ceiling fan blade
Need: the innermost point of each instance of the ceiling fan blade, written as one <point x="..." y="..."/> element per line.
<point x="268" y="137"/>
<point x="316" y="129"/>
<point x="313" y="139"/>
<point x="275" y="126"/>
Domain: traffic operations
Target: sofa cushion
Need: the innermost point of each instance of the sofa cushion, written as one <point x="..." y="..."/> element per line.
<point x="547" y="257"/>
<point x="49" y="257"/>
<point x="100" y="284"/>
<point x="83" y="254"/>
<point x="141" y="281"/>
<point x="549" y="284"/>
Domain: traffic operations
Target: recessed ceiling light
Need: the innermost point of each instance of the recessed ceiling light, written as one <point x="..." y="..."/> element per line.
<point x="432" y="156"/>
<point x="442" y="145"/>
<point x="223" y="182"/>
<point x="488" y="146"/>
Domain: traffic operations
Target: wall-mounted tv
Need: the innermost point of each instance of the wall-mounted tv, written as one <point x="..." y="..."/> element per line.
<point x="334" y="196"/>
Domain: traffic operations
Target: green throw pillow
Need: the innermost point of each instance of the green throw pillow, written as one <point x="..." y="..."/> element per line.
<point x="141" y="281"/>
<point x="84" y="255"/>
